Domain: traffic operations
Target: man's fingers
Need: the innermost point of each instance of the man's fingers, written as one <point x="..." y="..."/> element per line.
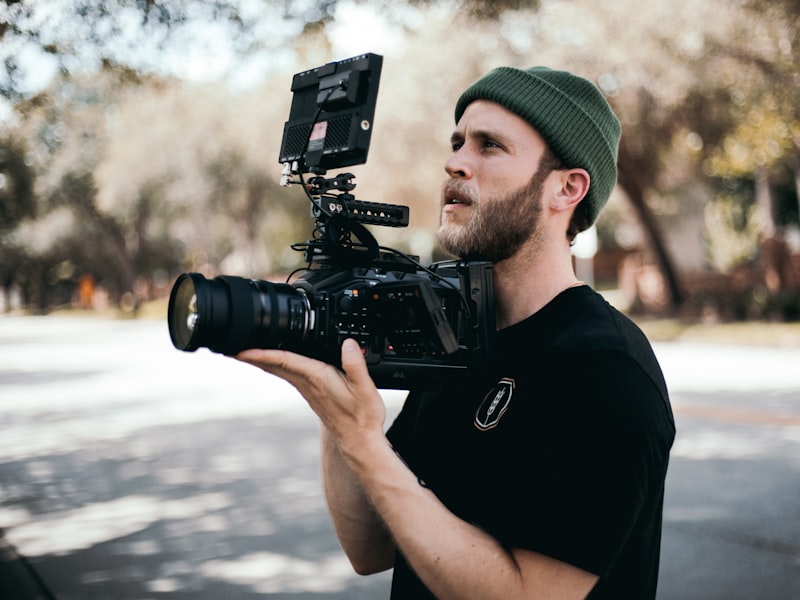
<point x="265" y="359"/>
<point x="353" y="363"/>
<point x="279" y="362"/>
<point x="308" y="374"/>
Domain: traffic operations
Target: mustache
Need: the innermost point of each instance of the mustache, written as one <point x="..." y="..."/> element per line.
<point x="457" y="191"/>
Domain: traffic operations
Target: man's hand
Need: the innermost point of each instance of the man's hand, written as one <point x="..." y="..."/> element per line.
<point x="347" y="401"/>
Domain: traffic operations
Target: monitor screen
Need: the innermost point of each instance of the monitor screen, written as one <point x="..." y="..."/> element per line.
<point x="330" y="120"/>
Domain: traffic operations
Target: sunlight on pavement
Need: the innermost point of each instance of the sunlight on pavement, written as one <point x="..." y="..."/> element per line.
<point x="706" y="383"/>
<point x="714" y="367"/>
<point x="84" y="527"/>
<point x="269" y="573"/>
<point x="718" y="444"/>
<point x="85" y="392"/>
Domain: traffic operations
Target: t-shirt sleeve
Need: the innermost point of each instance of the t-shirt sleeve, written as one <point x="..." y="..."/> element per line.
<point x="604" y="446"/>
<point x="400" y="432"/>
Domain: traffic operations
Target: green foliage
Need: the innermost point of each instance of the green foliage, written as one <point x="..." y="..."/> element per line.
<point x="761" y="137"/>
<point x="731" y="232"/>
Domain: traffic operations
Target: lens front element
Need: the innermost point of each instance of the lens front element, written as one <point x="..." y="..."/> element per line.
<point x="183" y="316"/>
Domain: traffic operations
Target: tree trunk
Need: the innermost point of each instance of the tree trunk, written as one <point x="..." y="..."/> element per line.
<point x="632" y="182"/>
<point x="773" y="249"/>
<point x="795" y="162"/>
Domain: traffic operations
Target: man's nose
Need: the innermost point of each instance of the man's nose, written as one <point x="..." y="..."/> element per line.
<point x="458" y="165"/>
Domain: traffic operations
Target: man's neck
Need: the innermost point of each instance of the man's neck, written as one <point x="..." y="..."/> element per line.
<point x="523" y="285"/>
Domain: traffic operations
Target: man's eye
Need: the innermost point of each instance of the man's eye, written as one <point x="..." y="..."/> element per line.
<point x="457" y="146"/>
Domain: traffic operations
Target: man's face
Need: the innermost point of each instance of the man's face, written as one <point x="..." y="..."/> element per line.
<point x="492" y="200"/>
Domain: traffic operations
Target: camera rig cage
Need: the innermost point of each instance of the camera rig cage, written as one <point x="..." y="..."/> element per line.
<point x="330" y="127"/>
<point x="417" y="325"/>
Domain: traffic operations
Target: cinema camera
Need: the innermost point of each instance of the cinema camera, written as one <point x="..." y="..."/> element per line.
<point x="417" y="326"/>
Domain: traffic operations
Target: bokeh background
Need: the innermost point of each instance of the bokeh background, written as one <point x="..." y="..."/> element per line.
<point x="139" y="139"/>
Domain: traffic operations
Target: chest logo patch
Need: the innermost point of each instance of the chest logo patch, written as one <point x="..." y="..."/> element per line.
<point x="494" y="404"/>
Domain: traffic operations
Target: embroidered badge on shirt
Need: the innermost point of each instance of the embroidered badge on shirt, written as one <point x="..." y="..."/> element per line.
<point x="494" y="404"/>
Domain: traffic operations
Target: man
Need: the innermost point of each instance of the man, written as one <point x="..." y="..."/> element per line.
<point x="545" y="479"/>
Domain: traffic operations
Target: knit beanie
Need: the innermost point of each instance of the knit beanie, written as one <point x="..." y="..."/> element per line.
<point x="568" y="111"/>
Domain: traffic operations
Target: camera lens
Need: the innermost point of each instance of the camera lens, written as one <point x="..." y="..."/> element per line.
<point x="230" y="314"/>
<point x="183" y="313"/>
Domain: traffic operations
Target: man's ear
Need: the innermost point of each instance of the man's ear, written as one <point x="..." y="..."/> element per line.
<point x="573" y="187"/>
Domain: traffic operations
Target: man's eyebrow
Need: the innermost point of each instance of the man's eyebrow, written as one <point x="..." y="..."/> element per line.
<point x="478" y="134"/>
<point x="456" y="136"/>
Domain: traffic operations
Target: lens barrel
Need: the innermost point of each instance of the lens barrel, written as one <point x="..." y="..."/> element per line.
<point x="230" y="314"/>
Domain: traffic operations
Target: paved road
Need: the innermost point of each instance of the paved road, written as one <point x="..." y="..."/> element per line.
<point x="129" y="470"/>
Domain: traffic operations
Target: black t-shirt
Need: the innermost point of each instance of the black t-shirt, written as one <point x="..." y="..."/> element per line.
<point x="561" y="448"/>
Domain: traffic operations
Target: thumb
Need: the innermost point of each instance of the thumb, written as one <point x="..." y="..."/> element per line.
<point x="353" y="363"/>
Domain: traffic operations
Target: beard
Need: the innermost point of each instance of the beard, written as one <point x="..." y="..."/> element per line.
<point x="498" y="226"/>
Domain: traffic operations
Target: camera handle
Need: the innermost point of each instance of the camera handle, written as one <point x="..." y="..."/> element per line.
<point x="333" y="236"/>
<point x="339" y="217"/>
<point x="335" y="242"/>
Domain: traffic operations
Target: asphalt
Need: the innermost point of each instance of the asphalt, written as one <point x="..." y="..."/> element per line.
<point x="131" y="471"/>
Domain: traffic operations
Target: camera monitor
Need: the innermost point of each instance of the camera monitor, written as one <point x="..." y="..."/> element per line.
<point x="330" y="120"/>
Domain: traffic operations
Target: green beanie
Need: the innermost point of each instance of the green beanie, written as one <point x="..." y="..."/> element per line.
<point x="568" y="111"/>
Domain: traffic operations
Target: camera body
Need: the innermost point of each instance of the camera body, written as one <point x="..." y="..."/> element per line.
<point x="417" y="326"/>
<point x="415" y="329"/>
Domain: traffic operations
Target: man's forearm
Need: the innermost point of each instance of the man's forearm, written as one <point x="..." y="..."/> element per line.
<point x="453" y="558"/>
<point x="360" y="529"/>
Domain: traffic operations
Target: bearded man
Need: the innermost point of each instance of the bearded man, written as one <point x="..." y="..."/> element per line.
<point x="543" y="478"/>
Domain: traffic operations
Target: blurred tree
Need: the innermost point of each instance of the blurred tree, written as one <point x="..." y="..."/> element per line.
<point x="762" y="139"/>
<point x="81" y="35"/>
<point x="39" y="249"/>
<point x="685" y="97"/>
<point x="16" y="204"/>
<point x="211" y="156"/>
<point x="16" y="184"/>
<point x="65" y="140"/>
<point x="75" y="36"/>
<point x="156" y="178"/>
<point x="732" y="232"/>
